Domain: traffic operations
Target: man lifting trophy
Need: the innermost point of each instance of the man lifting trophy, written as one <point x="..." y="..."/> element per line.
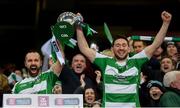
<point x="63" y="31"/>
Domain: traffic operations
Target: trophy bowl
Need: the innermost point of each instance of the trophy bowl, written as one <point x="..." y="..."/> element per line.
<point x="69" y="17"/>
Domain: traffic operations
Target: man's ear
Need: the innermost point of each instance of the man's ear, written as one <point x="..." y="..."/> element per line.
<point x="129" y="49"/>
<point x="41" y="63"/>
<point x="25" y="63"/>
<point x="173" y="67"/>
<point x="172" y="84"/>
<point x="111" y="49"/>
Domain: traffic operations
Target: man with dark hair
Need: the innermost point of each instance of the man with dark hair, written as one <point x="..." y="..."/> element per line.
<point x="38" y="82"/>
<point x="121" y="73"/>
<point x="138" y="45"/>
<point x="70" y="76"/>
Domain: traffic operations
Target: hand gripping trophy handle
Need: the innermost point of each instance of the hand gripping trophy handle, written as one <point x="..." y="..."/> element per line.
<point x="82" y="24"/>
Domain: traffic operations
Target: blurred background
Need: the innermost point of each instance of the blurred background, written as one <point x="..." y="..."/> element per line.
<point x="25" y="24"/>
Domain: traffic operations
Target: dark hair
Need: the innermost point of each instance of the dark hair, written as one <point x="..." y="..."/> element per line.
<point x="166" y="56"/>
<point x="144" y="43"/>
<point x="155" y="83"/>
<point x="93" y="88"/>
<point x="120" y="37"/>
<point x="35" y="51"/>
<point x="79" y="53"/>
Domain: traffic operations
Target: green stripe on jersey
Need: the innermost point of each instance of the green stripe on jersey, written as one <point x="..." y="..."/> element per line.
<point x="42" y="84"/>
<point x="121" y="80"/>
<point x="123" y="97"/>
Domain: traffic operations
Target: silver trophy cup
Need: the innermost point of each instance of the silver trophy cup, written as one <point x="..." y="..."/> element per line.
<point x="73" y="19"/>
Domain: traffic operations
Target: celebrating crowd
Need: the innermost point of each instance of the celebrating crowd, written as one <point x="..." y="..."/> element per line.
<point x="134" y="73"/>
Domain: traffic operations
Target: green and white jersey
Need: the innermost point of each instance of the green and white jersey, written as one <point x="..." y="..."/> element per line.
<point x="42" y="84"/>
<point x="121" y="81"/>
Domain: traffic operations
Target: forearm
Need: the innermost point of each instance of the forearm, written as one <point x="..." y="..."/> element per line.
<point x="166" y="17"/>
<point x="57" y="68"/>
<point x="161" y="35"/>
<point x="83" y="45"/>
<point x="158" y="39"/>
<point x="58" y="65"/>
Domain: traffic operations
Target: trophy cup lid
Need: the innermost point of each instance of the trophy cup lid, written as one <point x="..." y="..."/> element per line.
<point x="67" y="17"/>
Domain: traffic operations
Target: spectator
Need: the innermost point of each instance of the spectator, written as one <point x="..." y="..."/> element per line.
<point x="158" y="53"/>
<point x="70" y="76"/>
<point x="155" y="91"/>
<point x="90" y="93"/>
<point x="89" y="97"/>
<point x="138" y="46"/>
<point x="4" y="86"/>
<point x="171" y="98"/>
<point x="15" y="77"/>
<point x="166" y="65"/>
<point x="172" y="51"/>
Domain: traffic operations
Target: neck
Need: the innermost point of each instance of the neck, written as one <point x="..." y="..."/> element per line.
<point x="158" y="57"/>
<point x="121" y="60"/>
<point x="33" y="76"/>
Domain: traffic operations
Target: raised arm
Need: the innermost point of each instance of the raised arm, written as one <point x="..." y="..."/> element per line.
<point x="166" y="17"/>
<point x="83" y="45"/>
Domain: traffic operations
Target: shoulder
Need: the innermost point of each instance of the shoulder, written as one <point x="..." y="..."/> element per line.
<point x="170" y="99"/>
<point x="99" y="55"/>
<point x="26" y="80"/>
<point x="169" y="94"/>
<point x="49" y="71"/>
<point x="139" y="55"/>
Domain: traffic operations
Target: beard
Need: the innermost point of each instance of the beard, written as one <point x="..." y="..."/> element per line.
<point x="122" y="57"/>
<point x="34" y="70"/>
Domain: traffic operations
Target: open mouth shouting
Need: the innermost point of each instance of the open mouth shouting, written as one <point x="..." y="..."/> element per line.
<point x="78" y="68"/>
<point x="156" y="95"/>
<point x="33" y="70"/>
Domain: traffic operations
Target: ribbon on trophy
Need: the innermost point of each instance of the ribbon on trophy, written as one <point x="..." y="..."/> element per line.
<point x="57" y="51"/>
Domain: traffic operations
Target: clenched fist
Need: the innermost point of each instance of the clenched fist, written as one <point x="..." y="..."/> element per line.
<point x="166" y="16"/>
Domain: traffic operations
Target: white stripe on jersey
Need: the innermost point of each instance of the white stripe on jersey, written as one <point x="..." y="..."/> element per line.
<point x="113" y="71"/>
<point x="120" y="105"/>
<point x="36" y="88"/>
<point x="117" y="88"/>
